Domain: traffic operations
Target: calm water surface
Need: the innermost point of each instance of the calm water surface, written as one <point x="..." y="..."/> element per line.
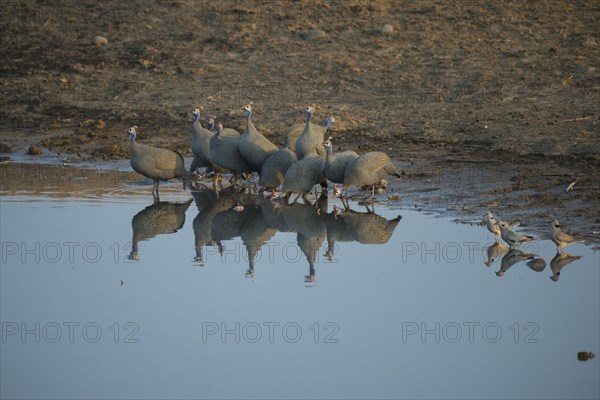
<point x="107" y="295"/>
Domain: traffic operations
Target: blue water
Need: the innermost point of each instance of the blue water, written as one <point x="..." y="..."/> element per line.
<point x="417" y="315"/>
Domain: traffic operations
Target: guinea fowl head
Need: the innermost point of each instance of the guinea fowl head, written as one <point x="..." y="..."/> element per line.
<point x="248" y="110"/>
<point x="330" y="121"/>
<point x="219" y="128"/>
<point x="328" y="146"/>
<point x="309" y="113"/>
<point x="210" y="122"/>
<point x="196" y="112"/>
<point x="555" y="224"/>
<point x="132" y="133"/>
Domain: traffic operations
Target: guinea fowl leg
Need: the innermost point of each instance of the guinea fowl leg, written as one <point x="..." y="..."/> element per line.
<point x="216" y="182"/>
<point x="345" y="204"/>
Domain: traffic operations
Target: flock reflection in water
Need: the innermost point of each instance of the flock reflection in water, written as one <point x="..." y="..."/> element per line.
<point x="227" y="215"/>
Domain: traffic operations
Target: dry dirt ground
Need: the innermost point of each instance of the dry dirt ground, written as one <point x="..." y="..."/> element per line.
<point x="483" y="104"/>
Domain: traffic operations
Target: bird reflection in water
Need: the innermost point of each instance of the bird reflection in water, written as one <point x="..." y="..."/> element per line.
<point x="257" y="220"/>
<point x="511" y="258"/>
<point x="494" y="251"/>
<point x="159" y="218"/>
<point x="560" y="260"/>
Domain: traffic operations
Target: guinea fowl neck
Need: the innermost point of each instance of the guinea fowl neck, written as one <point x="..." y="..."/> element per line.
<point x="328" y="125"/>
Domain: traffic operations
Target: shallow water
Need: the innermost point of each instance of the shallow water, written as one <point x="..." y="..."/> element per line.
<point x="390" y="308"/>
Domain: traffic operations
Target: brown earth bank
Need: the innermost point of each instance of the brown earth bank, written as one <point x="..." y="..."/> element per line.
<point x="477" y="101"/>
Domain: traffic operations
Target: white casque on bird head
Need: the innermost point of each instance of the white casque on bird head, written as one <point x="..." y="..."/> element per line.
<point x="309" y="113"/>
<point x="330" y="121"/>
<point x="132" y="132"/>
<point x="210" y="122"/>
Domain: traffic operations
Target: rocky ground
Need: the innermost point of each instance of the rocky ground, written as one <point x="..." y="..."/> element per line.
<point x="483" y="104"/>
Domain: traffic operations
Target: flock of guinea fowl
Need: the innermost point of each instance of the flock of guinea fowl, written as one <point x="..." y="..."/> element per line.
<point x="307" y="159"/>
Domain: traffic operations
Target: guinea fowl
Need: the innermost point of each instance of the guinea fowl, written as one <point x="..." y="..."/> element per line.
<point x="254" y="147"/>
<point x="226" y="156"/>
<point x="200" y="142"/>
<point x="154" y="163"/>
<point x="335" y="164"/>
<point x="293" y="133"/>
<point x="311" y="139"/>
<point x="275" y="166"/>
<point x="303" y="175"/>
<point x="368" y="170"/>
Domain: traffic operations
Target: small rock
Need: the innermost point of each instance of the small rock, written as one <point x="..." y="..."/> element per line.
<point x="489" y="204"/>
<point x="315" y="34"/>
<point x="4" y="148"/>
<point x="34" y="150"/>
<point x="585" y="355"/>
<point x="100" y="41"/>
<point x="387" y="29"/>
<point x="537" y="264"/>
<point x="233" y="56"/>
